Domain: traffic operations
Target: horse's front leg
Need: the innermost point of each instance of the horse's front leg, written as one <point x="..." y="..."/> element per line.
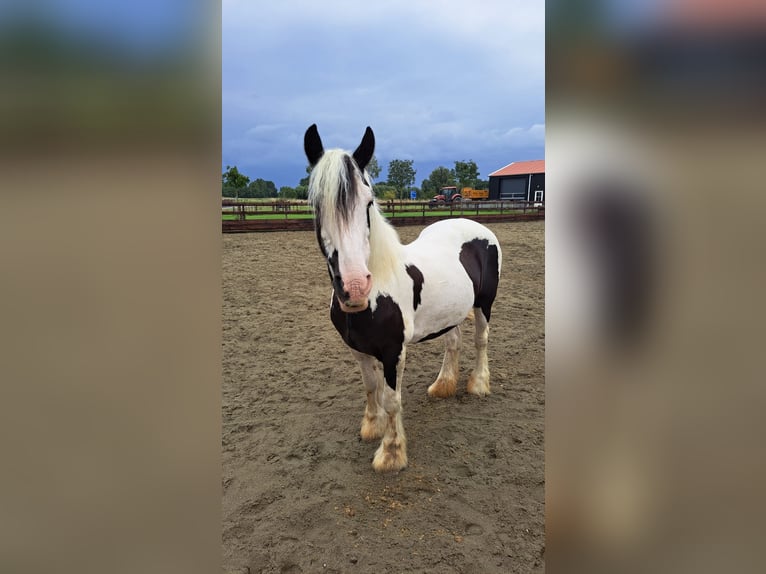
<point x="374" y="419"/>
<point x="392" y="452"/>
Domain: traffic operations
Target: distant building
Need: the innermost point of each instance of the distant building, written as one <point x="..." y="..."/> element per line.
<point x="520" y="181"/>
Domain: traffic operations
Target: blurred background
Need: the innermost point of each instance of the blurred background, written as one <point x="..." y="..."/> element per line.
<point x="110" y="289"/>
<point x="655" y="144"/>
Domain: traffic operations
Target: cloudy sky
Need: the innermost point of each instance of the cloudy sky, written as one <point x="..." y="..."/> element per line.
<point x="438" y="81"/>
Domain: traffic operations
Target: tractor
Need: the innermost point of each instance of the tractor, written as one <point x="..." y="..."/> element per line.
<point x="448" y="194"/>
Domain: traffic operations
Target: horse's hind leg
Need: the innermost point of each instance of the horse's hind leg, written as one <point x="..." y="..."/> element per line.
<point x="374" y="419"/>
<point x="478" y="382"/>
<point x="446" y="383"/>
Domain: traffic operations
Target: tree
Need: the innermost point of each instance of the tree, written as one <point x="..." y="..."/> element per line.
<point x="401" y="174"/>
<point x="262" y="188"/>
<point x="305" y="181"/>
<point x="302" y="189"/>
<point x="234" y="182"/>
<point x="466" y="173"/>
<point x="440" y="177"/>
<point x="384" y="191"/>
<point x="373" y="168"/>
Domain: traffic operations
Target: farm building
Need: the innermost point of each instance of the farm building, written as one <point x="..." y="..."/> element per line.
<point x="520" y="180"/>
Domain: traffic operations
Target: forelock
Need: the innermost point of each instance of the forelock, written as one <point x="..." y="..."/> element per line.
<point x="332" y="187"/>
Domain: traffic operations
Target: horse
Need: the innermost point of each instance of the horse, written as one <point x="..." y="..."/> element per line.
<point x="387" y="295"/>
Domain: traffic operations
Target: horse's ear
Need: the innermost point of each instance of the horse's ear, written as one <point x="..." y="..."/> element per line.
<point x="363" y="154"/>
<point x="312" y="145"/>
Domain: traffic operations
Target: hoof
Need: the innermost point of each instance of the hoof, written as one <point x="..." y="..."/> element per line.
<point x="390" y="458"/>
<point x="372" y="428"/>
<point x="442" y="389"/>
<point x="479" y="387"/>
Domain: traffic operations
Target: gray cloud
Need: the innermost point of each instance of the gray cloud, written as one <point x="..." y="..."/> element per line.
<point x="437" y="81"/>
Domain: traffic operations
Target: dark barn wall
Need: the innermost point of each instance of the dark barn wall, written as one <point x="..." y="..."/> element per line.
<point x="495" y="184"/>
<point x="494" y="188"/>
<point x="514" y="187"/>
<point x="538" y="183"/>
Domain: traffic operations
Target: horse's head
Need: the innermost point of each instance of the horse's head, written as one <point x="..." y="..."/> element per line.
<point x="341" y="194"/>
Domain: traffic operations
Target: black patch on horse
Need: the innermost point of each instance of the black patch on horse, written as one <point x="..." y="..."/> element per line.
<point x="417" y="284"/>
<point x="437" y="334"/>
<point x="347" y="193"/>
<point x="369" y="205"/>
<point x="318" y="230"/>
<point x="480" y="260"/>
<point x="334" y="269"/>
<point x="380" y="334"/>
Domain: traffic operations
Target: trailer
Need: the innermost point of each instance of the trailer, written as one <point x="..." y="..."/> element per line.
<point x="450" y="194"/>
<point x="474" y="194"/>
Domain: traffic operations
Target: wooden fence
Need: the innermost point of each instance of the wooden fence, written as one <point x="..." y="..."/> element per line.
<point x="242" y="216"/>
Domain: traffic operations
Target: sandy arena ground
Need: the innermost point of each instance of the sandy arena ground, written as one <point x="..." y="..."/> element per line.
<point x="299" y="492"/>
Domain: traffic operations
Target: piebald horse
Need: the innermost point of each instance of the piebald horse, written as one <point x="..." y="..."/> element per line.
<point x="387" y="295"/>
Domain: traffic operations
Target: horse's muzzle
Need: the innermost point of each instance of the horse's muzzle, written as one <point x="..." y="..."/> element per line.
<point x="353" y="297"/>
<point x="350" y="306"/>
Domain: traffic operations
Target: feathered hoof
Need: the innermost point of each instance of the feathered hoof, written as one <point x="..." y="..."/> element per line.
<point x="442" y="389"/>
<point x="390" y="458"/>
<point x="478" y="386"/>
<point x="373" y="428"/>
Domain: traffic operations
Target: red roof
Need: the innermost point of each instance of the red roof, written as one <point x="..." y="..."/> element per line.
<point x="521" y="168"/>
